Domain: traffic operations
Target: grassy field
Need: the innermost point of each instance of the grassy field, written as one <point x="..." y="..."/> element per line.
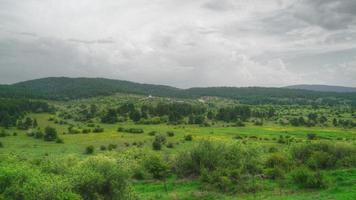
<point x="269" y="138"/>
<point x="342" y="182"/>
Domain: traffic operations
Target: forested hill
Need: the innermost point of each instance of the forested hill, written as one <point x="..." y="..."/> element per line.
<point x="62" y="88"/>
<point x="323" y="88"/>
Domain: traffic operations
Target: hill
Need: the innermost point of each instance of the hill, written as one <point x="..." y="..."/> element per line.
<point x="323" y="88"/>
<point x="63" y="88"/>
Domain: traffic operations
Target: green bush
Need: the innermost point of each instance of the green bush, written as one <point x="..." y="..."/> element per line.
<point x="152" y="133"/>
<point x="1" y="145"/>
<point x="170" y="133"/>
<point x="305" y="178"/>
<point x="112" y="146"/>
<point x="188" y="137"/>
<point x="24" y="182"/>
<point x="322" y="155"/>
<point x="50" y="134"/>
<point x="278" y="160"/>
<point x="3" y="133"/>
<point x="59" y="141"/>
<point x="98" y="129"/>
<point x="89" y="149"/>
<point x="156" y="167"/>
<point x="100" y="177"/>
<point x="156" y="145"/>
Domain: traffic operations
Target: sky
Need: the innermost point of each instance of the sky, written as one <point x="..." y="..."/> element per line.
<point x="182" y="43"/>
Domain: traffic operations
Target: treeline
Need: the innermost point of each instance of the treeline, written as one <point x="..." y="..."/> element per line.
<point x="11" y="110"/>
<point x="76" y="88"/>
<point x="166" y="112"/>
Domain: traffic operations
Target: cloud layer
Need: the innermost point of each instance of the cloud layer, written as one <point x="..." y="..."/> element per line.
<point x="182" y="43"/>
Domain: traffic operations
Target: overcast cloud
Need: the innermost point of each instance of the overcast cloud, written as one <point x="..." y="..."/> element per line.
<point x="183" y="43"/>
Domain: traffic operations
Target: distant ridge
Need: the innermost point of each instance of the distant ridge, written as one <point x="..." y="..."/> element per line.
<point x="323" y="88"/>
<point x="64" y="88"/>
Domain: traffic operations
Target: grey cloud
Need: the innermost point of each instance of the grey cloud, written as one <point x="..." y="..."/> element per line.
<point x="329" y="14"/>
<point x="100" y="41"/>
<point x="182" y="43"/>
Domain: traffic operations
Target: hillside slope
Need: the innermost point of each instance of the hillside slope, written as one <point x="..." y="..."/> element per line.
<point x="323" y="88"/>
<point x="62" y="88"/>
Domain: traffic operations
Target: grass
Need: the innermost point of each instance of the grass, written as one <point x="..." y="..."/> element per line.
<point x="342" y="182"/>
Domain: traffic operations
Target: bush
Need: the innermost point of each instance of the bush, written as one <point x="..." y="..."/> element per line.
<point x="158" y="142"/>
<point x="112" y="146"/>
<point x="59" y="141"/>
<point x="322" y="155"/>
<point x="18" y="181"/>
<point x="98" y="129"/>
<point x="50" y="134"/>
<point x="156" y="145"/>
<point x="278" y="160"/>
<point x="311" y="136"/>
<point x="156" y="167"/>
<point x="275" y="173"/>
<point x="170" y="133"/>
<point x="1" y="145"/>
<point x="188" y="137"/>
<point x="38" y="134"/>
<point x="152" y="133"/>
<point x="89" y="149"/>
<point x="305" y="178"/>
<point x="130" y="130"/>
<point x="170" y="145"/>
<point x="3" y="133"/>
<point x="100" y="177"/>
<point x="86" y="130"/>
<point x="102" y="147"/>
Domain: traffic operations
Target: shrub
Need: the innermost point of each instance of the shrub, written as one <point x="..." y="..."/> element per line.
<point x="59" y="141"/>
<point x="278" y="160"/>
<point x="86" y="130"/>
<point x="3" y="133"/>
<point x="130" y="130"/>
<point x="188" y="137"/>
<point x="322" y="155"/>
<point x="50" y="134"/>
<point x="152" y="133"/>
<point x="100" y="177"/>
<point x="156" y="167"/>
<point x="311" y="136"/>
<point x="38" y="134"/>
<point x="112" y="146"/>
<point x="306" y="178"/>
<point x="102" y="147"/>
<point x="239" y="123"/>
<point x="1" y="145"/>
<point x="89" y="149"/>
<point x="18" y="181"/>
<point x="156" y="145"/>
<point x="170" y="145"/>
<point x="14" y="133"/>
<point x="170" y="133"/>
<point x="275" y="173"/>
<point x="98" y="129"/>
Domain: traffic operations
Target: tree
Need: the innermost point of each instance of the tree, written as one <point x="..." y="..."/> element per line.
<point x="157" y="168"/>
<point x="335" y="122"/>
<point x="50" y="134"/>
<point x="34" y="124"/>
<point x="110" y="117"/>
<point x="135" y="116"/>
